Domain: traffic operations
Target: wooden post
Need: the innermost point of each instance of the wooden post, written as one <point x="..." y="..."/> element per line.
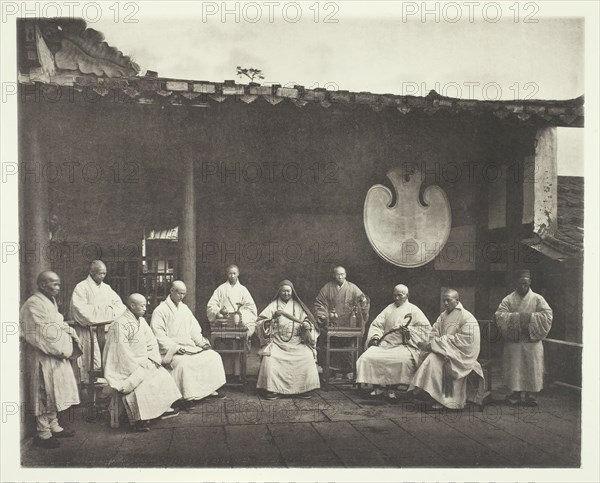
<point x="187" y="231"/>
<point x="34" y="226"/>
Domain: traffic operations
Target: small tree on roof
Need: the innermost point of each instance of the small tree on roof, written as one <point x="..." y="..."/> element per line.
<point x="250" y="72"/>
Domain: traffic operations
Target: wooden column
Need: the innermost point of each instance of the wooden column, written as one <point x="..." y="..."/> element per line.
<point x="187" y="231"/>
<point x="33" y="238"/>
<point x="34" y="212"/>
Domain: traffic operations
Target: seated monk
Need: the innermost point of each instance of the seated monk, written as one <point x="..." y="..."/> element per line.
<point x="288" y="334"/>
<point x="449" y="371"/>
<point x="392" y="355"/>
<point x="195" y="367"/>
<point x="132" y="366"/>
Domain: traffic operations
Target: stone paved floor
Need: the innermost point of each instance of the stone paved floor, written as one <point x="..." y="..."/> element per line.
<point x="338" y="427"/>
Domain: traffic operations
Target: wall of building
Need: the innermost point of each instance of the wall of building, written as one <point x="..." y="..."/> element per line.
<point x="280" y="189"/>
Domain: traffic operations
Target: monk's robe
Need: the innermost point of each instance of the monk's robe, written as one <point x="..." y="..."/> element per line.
<point x="51" y="342"/>
<point x="132" y="366"/>
<point x="288" y="360"/>
<point x="524" y="322"/>
<point x="91" y="304"/>
<point x="234" y="298"/>
<point x="342" y="298"/>
<point x="450" y="373"/>
<point x="198" y="372"/>
<point x="394" y="361"/>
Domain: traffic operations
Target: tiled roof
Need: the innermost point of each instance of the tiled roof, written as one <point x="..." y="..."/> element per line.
<point x="154" y="90"/>
<point x="66" y="52"/>
<point x="566" y="244"/>
<point x="570" y="210"/>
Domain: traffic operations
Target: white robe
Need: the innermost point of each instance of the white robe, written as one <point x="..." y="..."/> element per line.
<point x="197" y="375"/>
<point x="90" y="304"/>
<point x="233" y="298"/>
<point x="455" y="337"/>
<point x="523" y="359"/>
<point x="50" y="344"/>
<point x="288" y="364"/>
<point x="392" y="362"/>
<point x="132" y="367"/>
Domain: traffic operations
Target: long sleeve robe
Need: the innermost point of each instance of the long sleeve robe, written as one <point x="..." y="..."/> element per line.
<point x="393" y="362"/>
<point x="50" y="344"/>
<point x="229" y="296"/>
<point x="288" y="366"/>
<point x="233" y="298"/>
<point x="524" y="322"/>
<point x="342" y="299"/>
<point x="199" y="374"/>
<point x="455" y="338"/>
<point x="92" y="304"/>
<point x="132" y="365"/>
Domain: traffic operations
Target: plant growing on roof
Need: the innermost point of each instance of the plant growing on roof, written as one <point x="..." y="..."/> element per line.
<point x="250" y="72"/>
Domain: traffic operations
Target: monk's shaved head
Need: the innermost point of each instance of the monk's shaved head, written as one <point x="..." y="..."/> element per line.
<point x="339" y="275"/>
<point x="45" y="277"/>
<point x="48" y="282"/>
<point x="97" y="271"/>
<point x="178" y="285"/>
<point x="97" y="265"/>
<point x="400" y="294"/>
<point x="178" y="291"/>
<point x="136" y="298"/>
<point x="450" y="299"/>
<point x="136" y="302"/>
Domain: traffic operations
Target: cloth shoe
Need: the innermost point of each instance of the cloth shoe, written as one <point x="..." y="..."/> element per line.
<point x="272" y="396"/>
<point x="63" y="434"/>
<point x="217" y="395"/>
<point x="391" y="395"/>
<point x="170" y="414"/>
<point x="378" y="391"/>
<point x="100" y="381"/>
<point x="304" y="395"/>
<point x="140" y="427"/>
<point x="531" y="402"/>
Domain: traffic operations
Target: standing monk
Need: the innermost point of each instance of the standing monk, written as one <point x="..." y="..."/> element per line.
<point x="132" y="366"/>
<point x="450" y="357"/>
<point x="232" y="297"/>
<point x="338" y="301"/>
<point x="393" y="354"/>
<point x="51" y="342"/>
<point x="524" y="318"/>
<point x="94" y="302"/>
<point x="187" y="355"/>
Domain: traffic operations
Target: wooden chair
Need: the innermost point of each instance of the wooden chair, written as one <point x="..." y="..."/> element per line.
<point x="239" y="337"/>
<point x="93" y="373"/>
<point x="355" y="334"/>
<point x="116" y="409"/>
